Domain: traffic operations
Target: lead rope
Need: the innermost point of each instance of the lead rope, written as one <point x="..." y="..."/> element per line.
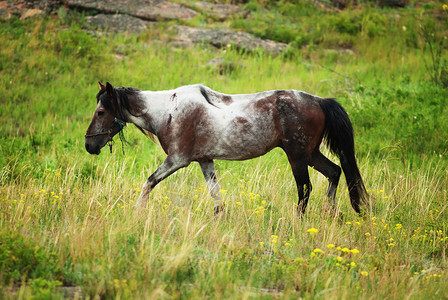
<point x="123" y="140"/>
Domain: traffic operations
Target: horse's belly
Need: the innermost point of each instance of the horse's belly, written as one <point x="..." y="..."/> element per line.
<point x="244" y="140"/>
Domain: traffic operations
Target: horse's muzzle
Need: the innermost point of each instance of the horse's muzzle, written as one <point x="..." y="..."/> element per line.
<point x="93" y="149"/>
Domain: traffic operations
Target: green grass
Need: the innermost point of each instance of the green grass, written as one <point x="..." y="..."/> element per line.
<point x="66" y="217"/>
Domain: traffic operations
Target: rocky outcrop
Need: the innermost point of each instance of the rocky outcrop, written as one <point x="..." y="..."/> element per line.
<point x="136" y="16"/>
<point x="219" y="12"/>
<point x="27" y="9"/>
<point x="223" y="37"/>
<point x="118" y="23"/>
<point x="151" y="10"/>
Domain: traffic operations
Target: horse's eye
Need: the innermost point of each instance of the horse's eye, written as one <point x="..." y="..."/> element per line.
<point x="100" y="113"/>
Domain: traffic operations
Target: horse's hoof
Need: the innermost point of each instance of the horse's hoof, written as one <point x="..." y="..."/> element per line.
<point x="218" y="209"/>
<point x="300" y="211"/>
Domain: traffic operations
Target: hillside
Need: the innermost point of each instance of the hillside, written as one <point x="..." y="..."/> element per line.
<point x="67" y="224"/>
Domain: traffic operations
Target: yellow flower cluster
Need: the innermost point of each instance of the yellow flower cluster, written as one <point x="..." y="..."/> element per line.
<point x="380" y="193"/>
<point x="165" y="202"/>
<point x="275" y="241"/>
<point x="56" y="173"/>
<point x="313" y="231"/>
<point x="429" y="236"/>
<point x="346" y="250"/>
<point x="434" y="276"/>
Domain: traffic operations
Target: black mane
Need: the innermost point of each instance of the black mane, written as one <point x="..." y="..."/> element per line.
<point x="119" y="104"/>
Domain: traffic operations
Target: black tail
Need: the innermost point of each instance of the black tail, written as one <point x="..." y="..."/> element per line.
<point x="339" y="138"/>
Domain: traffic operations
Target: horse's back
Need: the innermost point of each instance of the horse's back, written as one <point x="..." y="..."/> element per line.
<point x="243" y="126"/>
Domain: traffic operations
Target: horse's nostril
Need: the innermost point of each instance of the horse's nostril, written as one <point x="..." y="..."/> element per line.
<point x="87" y="147"/>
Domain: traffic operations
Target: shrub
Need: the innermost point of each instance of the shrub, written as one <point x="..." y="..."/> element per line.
<point x="21" y="259"/>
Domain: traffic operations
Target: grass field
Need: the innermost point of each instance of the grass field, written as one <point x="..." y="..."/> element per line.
<point x="66" y="217"/>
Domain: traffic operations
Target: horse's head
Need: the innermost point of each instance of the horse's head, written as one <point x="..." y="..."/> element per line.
<point x="104" y="125"/>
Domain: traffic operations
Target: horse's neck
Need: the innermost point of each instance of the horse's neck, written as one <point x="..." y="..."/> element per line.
<point x="154" y="112"/>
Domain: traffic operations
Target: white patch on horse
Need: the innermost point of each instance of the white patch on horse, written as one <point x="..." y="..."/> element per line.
<point x="173" y="99"/>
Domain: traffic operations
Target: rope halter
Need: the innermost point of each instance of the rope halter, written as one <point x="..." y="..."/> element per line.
<point x="110" y="141"/>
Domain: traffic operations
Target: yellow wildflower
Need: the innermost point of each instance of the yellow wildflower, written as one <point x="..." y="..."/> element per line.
<point x="354" y="251"/>
<point x="364" y="273"/>
<point x="317" y="250"/>
<point x="329" y="246"/>
<point x="313" y="231"/>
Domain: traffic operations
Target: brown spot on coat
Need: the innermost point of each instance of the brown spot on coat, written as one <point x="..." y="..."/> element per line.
<point x="184" y="136"/>
<point x="226" y="99"/>
<point x="241" y="120"/>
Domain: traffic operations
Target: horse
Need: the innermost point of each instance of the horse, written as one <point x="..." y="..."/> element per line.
<point x="196" y="123"/>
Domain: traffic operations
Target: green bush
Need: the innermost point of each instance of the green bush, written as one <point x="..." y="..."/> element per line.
<point x="44" y="289"/>
<point x="21" y="259"/>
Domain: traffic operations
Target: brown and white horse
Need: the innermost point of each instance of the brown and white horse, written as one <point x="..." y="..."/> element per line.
<point x="195" y="123"/>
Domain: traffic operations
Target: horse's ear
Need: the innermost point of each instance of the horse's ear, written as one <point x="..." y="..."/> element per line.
<point x="101" y="85"/>
<point x="110" y="89"/>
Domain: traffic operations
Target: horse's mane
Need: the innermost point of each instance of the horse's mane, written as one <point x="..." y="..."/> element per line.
<point x="119" y="105"/>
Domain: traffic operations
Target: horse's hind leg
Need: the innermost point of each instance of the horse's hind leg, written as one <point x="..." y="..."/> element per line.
<point x="300" y="171"/>
<point x="330" y="170"/>
<point x="208" y="169"/>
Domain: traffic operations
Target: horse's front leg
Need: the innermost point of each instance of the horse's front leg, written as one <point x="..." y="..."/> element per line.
<point x="168" y="167"/>
<point x="208" y="169"/>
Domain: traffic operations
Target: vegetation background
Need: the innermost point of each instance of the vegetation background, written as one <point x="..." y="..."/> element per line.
<point x="66" y="217"/>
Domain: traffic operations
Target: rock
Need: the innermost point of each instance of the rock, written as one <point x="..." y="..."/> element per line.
<point x="9" y="9"/>
<point x="222" y="37"/>
<point x="29" y="13"/>
<point x="219" y="12"/>
<point x="118" y="23"/>
<point x="71" y="292"/>
<point x="151" y="10"/>
<point x="4" y="11"/>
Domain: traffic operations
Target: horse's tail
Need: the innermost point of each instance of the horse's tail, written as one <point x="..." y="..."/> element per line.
<point x="338" y="133"/>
